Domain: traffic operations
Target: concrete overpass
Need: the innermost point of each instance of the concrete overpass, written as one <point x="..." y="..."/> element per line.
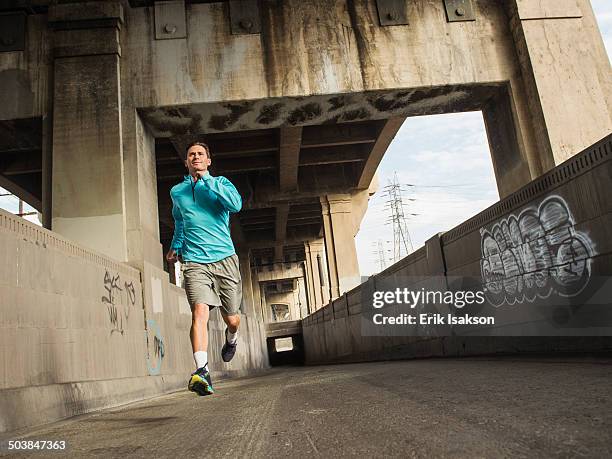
<point x="299" y="104"/>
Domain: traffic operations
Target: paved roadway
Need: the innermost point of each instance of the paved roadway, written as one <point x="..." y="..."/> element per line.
<point x="536" y="407"/>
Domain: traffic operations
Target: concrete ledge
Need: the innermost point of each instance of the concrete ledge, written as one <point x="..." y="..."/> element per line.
<point x="36" y="405"/>
<point x="44" y="238"/>
<point x="474" y="346"/>
<point x="579" y="186"/>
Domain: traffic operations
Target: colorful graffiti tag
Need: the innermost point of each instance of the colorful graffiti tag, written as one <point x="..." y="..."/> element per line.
<point x="156" y="356"/>
<point x="536" y="254"/>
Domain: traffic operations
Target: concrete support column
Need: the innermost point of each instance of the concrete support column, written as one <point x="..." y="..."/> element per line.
<point x="566" y="74"/>
<point x="47" y="170"/>
<point x="87" y="150"/>
<point x="509" y="133"/>
<point x="257" y="296"/>
<point x="248" y="297"/>
<point x="317" y="283"/>
<point x="339" y="236"/>
<point x="141" y="201"/>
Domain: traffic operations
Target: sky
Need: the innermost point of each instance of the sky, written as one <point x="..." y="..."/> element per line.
<point x="11" y="204"/>
<point x="443" y="164"/>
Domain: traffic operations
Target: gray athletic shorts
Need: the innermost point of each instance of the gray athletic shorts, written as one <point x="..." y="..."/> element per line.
<point x="215" y="284"/>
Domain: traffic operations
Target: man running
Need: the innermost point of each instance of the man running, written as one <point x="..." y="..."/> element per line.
<point x="201" y="205"/>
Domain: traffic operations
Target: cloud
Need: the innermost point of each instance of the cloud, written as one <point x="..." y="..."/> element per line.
<point x="603" y="14"/>
<point x="444" y="166"/>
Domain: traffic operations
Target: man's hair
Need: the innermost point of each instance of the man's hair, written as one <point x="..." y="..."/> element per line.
<point x="201" y="144"/>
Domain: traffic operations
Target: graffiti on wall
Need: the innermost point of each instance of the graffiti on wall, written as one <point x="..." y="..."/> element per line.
<point x="118" y="309"/>
<point x="156" y="356"/>
<point x="534" y="255"/>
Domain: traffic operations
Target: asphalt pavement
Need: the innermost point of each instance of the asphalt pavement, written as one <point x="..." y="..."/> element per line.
<point x="487" y="407"/>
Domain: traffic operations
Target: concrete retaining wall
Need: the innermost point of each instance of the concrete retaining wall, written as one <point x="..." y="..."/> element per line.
<point x="77" y="335"/>
<point x="578" y="190"/>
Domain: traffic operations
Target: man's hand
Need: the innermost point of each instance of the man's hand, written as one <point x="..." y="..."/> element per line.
<point x="171" y="256"/>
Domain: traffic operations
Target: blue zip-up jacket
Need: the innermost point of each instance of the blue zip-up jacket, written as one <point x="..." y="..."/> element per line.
<point x="201" y="218"/>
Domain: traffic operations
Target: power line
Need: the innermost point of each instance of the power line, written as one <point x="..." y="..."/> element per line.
<point x="441" y="186"/>
<point x="380" y="254"/>
<point x="402" y="244"/>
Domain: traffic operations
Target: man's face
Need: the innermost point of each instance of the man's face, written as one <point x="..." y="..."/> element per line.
<point x="197" y="160"/>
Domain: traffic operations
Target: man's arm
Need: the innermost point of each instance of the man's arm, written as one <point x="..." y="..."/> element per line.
<point x="177" y="239"/>
<point x="225" y="190"/>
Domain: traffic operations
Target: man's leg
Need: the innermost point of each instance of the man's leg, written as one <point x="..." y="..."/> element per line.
<point x="231" y="336"/>
<point x="233" y="322"/>
<point x="198" y="287"/>
<point x="199" y="381"/>
<point x="230" y="293"/>
<point x="199" y="333"/>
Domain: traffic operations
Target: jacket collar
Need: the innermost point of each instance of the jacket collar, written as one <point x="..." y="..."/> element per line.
<point x="189" y="179"/>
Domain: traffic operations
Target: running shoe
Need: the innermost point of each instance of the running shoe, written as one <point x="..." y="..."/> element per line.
<point x="200" y="382"/>
<point x="228" y="350"/>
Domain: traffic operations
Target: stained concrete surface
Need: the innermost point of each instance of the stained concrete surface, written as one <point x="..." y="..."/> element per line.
<point x="486" y="407"/>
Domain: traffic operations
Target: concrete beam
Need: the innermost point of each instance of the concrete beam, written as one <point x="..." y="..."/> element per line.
<point x="312" y="218"/>
<point x="264" y="238"/>
<point x="290" y="142"/>
<point x="179" y="148"/>
<point x="335" y="155"/>
<point x="176" y="171"/>
<point x="21" y="193"/>
<point x="270" y="244"/>
<point x="385" y="136"/>
<point x="237" y="230"/>
<point x="282" y="212"/>
<point x="264" y="197"/>
<point x="257" y="220"/>
<point x="260" y="212"/>
<point x="338" y="134"/>
<point x="28" y="163"/>
<point x="258" y="227"/>
<point x="240" y="146"/>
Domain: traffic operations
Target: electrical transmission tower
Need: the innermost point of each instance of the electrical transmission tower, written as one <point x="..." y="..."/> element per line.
<point x="379" y="253"/>
<point x="402" y="244"/>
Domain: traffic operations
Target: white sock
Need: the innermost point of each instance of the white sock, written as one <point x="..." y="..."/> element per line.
<point x="201" y="359"/>
<point x="232" y="337"/>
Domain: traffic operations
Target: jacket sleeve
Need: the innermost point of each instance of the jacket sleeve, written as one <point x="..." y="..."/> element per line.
<point x="177" y="239"/>
<point x="226" y="191"/>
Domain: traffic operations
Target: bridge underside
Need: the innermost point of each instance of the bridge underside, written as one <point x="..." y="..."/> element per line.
<point x="99" y="103"/>
<point x="283" y="154"/>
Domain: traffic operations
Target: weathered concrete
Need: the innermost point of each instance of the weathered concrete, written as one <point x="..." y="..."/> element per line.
<point x="545" y="34"/>
<point x="79" y="331"/>
<point x="539" y="73"/>
<point x="293" y="294"/>
<point x="88" y="183"/>
<point x="339" y="231"/>
<point x="104" y="88"/>
<point x="429" y="408"/>
<point x="574" y="239"/>
<point x="316" y="279"/>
